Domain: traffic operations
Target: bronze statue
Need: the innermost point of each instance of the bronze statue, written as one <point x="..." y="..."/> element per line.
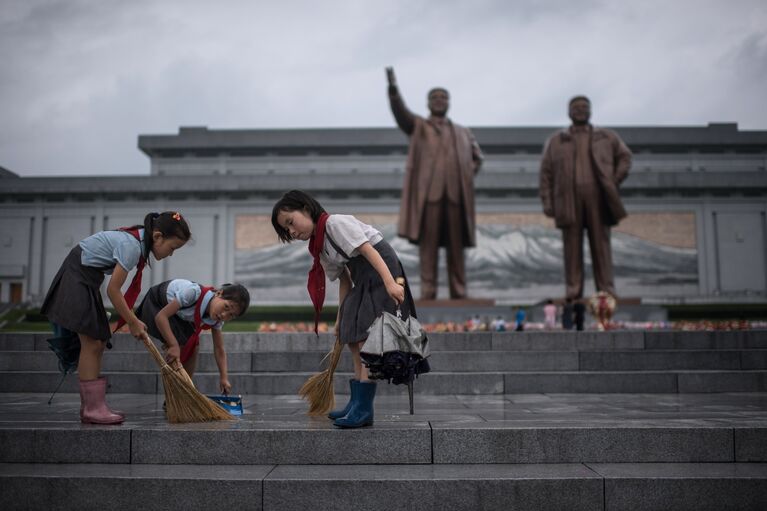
<point x="437" y="206"/>
<point x="581" y="170"/>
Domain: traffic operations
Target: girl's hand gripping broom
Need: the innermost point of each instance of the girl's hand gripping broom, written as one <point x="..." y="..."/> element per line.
<point x="184" y="403"/>
<point x="318" y="389"/>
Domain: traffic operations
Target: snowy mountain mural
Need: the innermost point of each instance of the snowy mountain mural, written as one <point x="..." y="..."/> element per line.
<point x="510" y="263"/>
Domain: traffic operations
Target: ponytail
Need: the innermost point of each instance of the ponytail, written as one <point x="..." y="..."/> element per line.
<point x="169" y="223"/>
<point x="148" y="238"/>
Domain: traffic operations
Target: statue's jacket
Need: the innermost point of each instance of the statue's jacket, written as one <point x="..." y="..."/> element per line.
<point x="610" y="160"/>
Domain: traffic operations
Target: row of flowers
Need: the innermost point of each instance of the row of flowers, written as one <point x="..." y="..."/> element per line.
<point x="703" y="325"/>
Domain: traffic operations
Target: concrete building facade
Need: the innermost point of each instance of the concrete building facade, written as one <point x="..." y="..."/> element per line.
<point x="696" y="196"/>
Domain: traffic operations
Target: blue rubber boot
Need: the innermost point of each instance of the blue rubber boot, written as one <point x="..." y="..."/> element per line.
<point x="361" y="412"/>
<point x="337" y="414"/>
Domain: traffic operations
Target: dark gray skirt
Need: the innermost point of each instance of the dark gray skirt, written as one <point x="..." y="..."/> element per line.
<point x="154" y="301"/>
<point x="74" y="298"/>
<point x="368" y="298"/>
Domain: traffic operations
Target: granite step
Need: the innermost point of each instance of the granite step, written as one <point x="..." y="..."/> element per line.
<point x="516" y="451"/>
<point x="395" y="439"/>
<point x="683" y="486"/>
<point x="499" y="341"/>
<point x="625" y="486"/>
<point x="460" y="361"/>
<point x="434" y="383"/>
<point x="130" y="487"/>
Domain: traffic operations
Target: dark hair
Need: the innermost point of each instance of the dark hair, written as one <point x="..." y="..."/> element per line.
<point x="295" y="200"/>
<point x="436" y="89"/>
<point x="238" y="294"/>
<point x="169" y="223"/>
<point x="576" y="98"/>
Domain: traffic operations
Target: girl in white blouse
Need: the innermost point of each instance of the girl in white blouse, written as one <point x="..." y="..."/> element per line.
<point x="370" y="279"/>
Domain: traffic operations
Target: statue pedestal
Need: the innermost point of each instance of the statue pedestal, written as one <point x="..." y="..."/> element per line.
<point x="457" y="311"/>
<point x="459" y="303"/>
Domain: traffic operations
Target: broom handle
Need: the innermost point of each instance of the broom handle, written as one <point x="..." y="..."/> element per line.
<point x="152" y="349"/>
<point x="150" y="346"/>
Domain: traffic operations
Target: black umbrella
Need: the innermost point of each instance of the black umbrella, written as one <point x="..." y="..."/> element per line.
<point x="66" y="346"/>
<point x="396" y="350"/>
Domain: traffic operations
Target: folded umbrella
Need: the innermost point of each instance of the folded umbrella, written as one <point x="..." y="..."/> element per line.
<point x="396" y="350"/>
<point x="392" y="333"/>
<point x="66" y="346"/>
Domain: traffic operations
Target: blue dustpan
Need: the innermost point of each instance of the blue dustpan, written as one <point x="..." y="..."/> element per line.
<point x="232" y="404"/>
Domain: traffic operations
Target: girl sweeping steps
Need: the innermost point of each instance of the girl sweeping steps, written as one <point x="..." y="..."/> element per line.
<point x="74" y="302"/>
<point x="366" y="267"/>
<point x="177" y="311"/>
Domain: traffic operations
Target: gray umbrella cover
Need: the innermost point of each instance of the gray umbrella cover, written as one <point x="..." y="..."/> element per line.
<point x="391" y="333"/>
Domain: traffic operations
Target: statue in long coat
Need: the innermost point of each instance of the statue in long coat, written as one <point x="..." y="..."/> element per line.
<point x="437" y="205"/>
<point x="581" y="171"/>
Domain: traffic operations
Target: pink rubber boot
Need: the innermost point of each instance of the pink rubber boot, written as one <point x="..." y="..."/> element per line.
<point x="93" y="399"/>
<point x="116" y="412"/>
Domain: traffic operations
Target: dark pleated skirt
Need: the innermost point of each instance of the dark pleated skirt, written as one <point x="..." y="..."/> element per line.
<point x="368" y="298"/>
<point x="74" y="298"/>
<point x="154" y="301"/>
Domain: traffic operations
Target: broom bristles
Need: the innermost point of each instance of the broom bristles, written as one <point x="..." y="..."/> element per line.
<point x="318" y="389"/>
<point x="183" y="402"/>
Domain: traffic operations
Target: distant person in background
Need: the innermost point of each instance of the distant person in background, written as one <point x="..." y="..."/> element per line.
<point x="499" y="324"/>
<point x="474" y="323"/>
<point x="567" y="314"/>
<point x="580" y="315"/>
<point x="520" y="320"/>
<point x="550" y="314"/>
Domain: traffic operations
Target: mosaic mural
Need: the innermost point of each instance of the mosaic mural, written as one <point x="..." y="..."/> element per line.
<point x="518" y="257"/>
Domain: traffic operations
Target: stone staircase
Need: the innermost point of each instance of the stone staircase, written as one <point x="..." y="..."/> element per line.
<point x="465" y="363"/>
<point x="539" y="420"/>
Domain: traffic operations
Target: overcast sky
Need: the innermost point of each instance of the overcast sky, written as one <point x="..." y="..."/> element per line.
<point x="80" y="80"/>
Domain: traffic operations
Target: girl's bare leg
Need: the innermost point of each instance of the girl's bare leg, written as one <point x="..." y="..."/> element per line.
<point x="91" y="352"/>
<point x="360" y="371"/>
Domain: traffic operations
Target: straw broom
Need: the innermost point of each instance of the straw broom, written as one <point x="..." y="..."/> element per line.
<point x="318" y="389"/>
<point x="183" y="402"/>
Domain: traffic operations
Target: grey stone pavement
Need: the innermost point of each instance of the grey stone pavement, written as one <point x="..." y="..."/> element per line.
<point x="514" y="451"/>
<point x="516" y="410"/>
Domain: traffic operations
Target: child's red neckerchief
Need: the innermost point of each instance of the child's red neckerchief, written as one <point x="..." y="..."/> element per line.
<point x="316" y="282"/>
<point x="135" y="286"/>
<point x="199" y="326"/>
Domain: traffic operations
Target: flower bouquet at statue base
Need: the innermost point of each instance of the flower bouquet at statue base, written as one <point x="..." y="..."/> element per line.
<point x="602" y="307"/>
<point x="396" y="350"/>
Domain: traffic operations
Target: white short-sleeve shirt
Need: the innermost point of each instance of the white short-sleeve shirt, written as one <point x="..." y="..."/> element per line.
<point x="186" y="293"/>
<point x="349" y="234"/>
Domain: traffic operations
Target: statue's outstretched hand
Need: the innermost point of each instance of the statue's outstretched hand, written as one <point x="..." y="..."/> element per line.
<point x="390" y="77"/>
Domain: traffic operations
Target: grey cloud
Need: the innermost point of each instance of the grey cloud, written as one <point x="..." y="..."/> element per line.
<point x="83" y="79"/>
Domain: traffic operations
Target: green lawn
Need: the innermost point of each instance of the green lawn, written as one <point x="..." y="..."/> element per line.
<point x="30" y="320"/>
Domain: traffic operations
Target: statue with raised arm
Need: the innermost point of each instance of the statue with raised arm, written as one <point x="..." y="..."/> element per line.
<point x="437" y="206"/>
<point x="581" y="170"/>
